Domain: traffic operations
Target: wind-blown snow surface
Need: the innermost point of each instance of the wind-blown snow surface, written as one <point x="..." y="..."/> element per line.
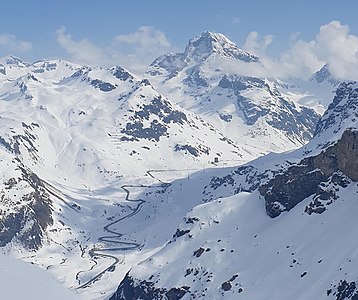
<point x="20" y="280"/>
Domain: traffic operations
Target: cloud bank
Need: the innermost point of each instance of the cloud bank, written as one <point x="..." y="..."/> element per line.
<point x="12" y="43"/>
<point x="333" y="44"/>
<point x="134" y="51"/>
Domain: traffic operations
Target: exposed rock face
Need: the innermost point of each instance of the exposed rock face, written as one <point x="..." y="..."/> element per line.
<point x="129" y="289"/>
<point x="278" y="112"/>
<point x="300" y="181"/>
<point x="30" y="215"/>
<point x="121" y="73"/>
<point x="324" y="75"/>
<point x="342" y="112"/>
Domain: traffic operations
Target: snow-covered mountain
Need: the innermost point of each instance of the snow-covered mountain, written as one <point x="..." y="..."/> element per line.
<point x="279" y="227"/>
<point x="98" y="168"/>
<point x="95" y="120"/>
<point x="212" y="78"/>
<point x="324" y="75"/>
<point x="71" y="137"/>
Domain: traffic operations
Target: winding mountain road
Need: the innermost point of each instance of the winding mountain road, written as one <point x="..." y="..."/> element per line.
<point x="115" y="236"/>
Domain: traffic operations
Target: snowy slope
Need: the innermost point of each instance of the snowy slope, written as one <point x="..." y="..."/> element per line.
<point x="270" y="229"/>
<point x="316" y="92"/>
<point x="20" y="280"/>
<point x="212" y="77"/>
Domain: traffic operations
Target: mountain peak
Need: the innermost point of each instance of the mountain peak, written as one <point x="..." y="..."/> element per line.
<point x="13" y="60"/>
<point x="212" y="38"/>
<point x="324" y="75"/>
<point x="202" y="46"/>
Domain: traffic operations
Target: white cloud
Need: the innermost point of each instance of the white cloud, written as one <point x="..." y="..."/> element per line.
<point x="145" y="36"/>
<point x="339" y="48"/>
<point x="300" y="61"/>
<point x="13" y="44"/>
<point x="145" y="44"/>
<point x="256" y="44"/>
<point x="333" y="44"/>
<point x="82" y="51"/>
<point x="134" y="51"/>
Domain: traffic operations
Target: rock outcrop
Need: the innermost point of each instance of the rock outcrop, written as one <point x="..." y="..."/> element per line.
<point x="300" y="181"/>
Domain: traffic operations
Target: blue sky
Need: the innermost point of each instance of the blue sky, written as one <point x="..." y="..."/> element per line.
<point x="110" y="30"/>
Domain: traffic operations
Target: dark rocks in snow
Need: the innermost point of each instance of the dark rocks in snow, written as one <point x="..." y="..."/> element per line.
<point x="45" y="66"/>
<point x="226" y="286"/>
<point x="187" y="148"/>
<point x="164" y="114"/>
<point x="137" y="131"/>
<point x="199" y="252"/>
<point x="326" y="193"/>
<point x="121" y="73"/>
<point x="131" y="289"/>
<point x="172" y="63"/>
<point x="344" y="290"/>
<point x="281" y="193"/>
<point x="180" y="232"/>
<point x="2" y="70"/>
<point x="26" y="140"/>
<point x="283" y="116"/>
<point x="225" y="117"/>
<point x="191" y="220"/>
<point x="103" y="86"/>
<point x="194" y="151"/>
<point x="324" y="75"/>
<point x="240" y="83"/>
<point x="194" y="78"/>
